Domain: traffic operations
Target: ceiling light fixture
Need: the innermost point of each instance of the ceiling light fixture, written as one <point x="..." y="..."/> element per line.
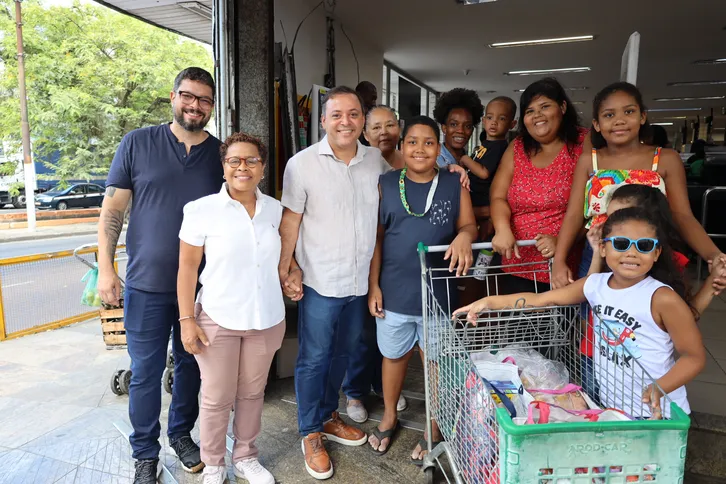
<point x="527" y="43"/>
<point x="578" y="102"/>
<point x="710" y="61"/>
<point x="580" y="88"/>
<point x="198" y="8"/>
<point x="699" y="98"/>
<point x="535" y="72"/>
<point x="695" y="83"/>
<point x="661" y="124"/>
<point x="658" y="110"/>
<point x="473" y="2"/>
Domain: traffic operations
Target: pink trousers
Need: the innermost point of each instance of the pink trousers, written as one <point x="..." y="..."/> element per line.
<point x="234" y="369"/>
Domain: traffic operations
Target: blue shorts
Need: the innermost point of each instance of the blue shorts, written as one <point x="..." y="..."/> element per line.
<point x="398" y="333"/>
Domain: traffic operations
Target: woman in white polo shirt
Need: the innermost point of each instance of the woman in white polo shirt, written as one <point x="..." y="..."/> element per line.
<point x="238" y="321"/>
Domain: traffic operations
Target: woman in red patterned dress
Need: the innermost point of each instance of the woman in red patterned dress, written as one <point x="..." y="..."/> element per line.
<point x="530" y="191"/>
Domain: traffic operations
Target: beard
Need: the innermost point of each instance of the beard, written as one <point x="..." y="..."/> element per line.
<point x="193" y="126"/>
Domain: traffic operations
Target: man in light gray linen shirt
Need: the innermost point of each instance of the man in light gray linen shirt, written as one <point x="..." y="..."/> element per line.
<point x="330" y="195"/>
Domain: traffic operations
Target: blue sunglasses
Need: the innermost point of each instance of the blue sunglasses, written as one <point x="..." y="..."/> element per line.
<point x="623" y="244"/>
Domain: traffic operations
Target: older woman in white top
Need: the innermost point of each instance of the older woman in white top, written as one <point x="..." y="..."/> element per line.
<point x="238" y="321"/>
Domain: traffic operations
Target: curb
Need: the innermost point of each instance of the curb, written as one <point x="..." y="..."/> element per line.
<point x="51" y="215"/>
<point x="54" y="222"/>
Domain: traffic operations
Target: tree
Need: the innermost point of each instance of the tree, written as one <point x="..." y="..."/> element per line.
<point x="92" y="76"/>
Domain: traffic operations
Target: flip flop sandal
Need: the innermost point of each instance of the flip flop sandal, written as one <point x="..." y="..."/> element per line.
<point x="389" y="434"/>
<point x="424" y="447"/>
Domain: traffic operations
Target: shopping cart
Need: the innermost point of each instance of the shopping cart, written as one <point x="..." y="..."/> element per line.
<point x="114" y="333"/>
<point x="485" y="445"/>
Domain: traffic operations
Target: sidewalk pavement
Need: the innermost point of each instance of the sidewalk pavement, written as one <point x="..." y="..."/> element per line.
<point x="57" y="416"/>
<point x="17" y="235"/>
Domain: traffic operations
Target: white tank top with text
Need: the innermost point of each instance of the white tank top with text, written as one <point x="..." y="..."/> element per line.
<point x="633" y="337"/>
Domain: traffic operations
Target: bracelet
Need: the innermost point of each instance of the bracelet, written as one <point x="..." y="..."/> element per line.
<point x="186" y="317"/>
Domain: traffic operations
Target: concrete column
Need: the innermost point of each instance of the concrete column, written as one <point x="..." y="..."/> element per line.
<point x="253" y="68"/>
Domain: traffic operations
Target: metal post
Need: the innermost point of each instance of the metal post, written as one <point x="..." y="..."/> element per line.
<point x="704" y="219"/>
<point x="3" y="330"/>
<point x="25" y="127"/>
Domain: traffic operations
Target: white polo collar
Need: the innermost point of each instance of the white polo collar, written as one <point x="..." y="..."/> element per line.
<point x="227" y="200"/>
<point x="325" y="149"/>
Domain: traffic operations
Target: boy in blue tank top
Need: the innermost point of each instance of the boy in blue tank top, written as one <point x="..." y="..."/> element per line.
<point x="419" y="203"/>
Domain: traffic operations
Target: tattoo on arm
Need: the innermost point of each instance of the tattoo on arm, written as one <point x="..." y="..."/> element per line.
<point x="114" y="222"/>
<point x="110" y="191"/>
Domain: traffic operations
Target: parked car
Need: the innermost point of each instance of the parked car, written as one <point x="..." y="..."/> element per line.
<point x="78" y="195"/>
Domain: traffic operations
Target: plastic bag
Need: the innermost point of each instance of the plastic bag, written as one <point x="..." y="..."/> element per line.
<point x="476" y="433"/>
<point x="90" y="296"/>
<point x="536" y="371"/>
<point x="542" y="413"/>
<point x="505" y="378"/>
<point x="569" y="397"/>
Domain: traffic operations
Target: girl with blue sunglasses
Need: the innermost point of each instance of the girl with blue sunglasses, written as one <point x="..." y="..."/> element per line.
<point x="655" y="203"/>
<point x="649" y="290"/>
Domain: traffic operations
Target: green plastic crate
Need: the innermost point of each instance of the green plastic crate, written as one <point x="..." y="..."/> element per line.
<point x="593" y="452"/>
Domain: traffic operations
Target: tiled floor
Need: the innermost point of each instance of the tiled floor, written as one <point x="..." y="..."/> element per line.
<point x="57" y="414"/>
<point x="707" y="393"/>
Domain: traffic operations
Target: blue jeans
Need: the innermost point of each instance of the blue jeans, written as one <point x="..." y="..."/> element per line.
<point x="149" y="320"/>
<point x="364" y="365"/>
<point x="329" y="329"/>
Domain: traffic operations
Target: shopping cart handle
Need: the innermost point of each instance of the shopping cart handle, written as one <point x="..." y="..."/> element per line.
<point x="477" y="246"/>
<point x="78" y="250"/>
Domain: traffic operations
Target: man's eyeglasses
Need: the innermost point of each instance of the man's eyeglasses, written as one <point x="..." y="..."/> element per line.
<point x="235" y="162"/>
<point x="204" y="102"/>
<point x="623" y="244"/>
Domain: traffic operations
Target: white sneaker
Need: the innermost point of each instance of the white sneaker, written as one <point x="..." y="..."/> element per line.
<point x="402" y="404"/>
<point x="252" y="470"/>
<point x="357" y="412"/>
<point x="215" y="475"/>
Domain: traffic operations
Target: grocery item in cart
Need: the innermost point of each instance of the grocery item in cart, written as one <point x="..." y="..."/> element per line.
<point x="504" y="379"/>
<point x="569" y="397"/>
<point x="483" y="261"/>
<point x="535" y="370"/>
<point x="543" y="412"/>
<point x="545" y="380"/>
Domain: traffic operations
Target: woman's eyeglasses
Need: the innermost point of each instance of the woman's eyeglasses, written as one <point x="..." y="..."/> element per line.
<point x="623" y="244"/>
<point x="235" y="162"/>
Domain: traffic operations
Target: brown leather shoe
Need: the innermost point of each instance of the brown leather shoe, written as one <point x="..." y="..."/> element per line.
<point x="317" y="461"/>
<point x="338" y="431"/>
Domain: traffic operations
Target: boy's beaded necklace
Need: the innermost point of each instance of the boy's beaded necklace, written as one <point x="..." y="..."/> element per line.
<point x="429" y="197"/>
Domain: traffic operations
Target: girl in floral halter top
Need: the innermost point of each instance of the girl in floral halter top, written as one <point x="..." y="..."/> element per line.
<point x="603" y="183"/>
<point x="621" y="155"/>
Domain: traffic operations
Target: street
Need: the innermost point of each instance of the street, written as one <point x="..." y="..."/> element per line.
<point x="44" y="291"/>
<point x="44" y="246"/>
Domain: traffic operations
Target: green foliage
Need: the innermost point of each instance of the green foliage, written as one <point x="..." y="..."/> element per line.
<point x="92" y="75"/>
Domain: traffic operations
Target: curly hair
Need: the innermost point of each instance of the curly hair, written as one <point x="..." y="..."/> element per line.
<point x="664" y="269"/>
<point x="549" y="87"/>
<point x="652" y="200"/>
<point x="244" y="138"/>
<point x="459" y="98"/>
